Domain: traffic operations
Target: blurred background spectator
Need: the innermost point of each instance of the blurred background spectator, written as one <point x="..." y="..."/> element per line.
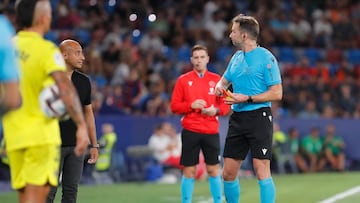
<point x="285" y="149"/>
<point x="333" y="149"/>
<point x="311" y="149"/>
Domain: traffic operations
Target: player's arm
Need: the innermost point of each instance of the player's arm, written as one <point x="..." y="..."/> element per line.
<point x="221" y="86"/>
<point x="90" y="121"/>
<point x="274" y="93"/>
<point x="177" y="103"/>
<point x="10" y="96"/>
<point x="71" y="99"/>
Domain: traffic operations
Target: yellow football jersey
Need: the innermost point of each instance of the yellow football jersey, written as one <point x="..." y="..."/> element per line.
<point x="28" y="125"/>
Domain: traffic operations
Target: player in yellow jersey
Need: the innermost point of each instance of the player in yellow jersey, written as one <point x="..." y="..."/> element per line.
<point x="31" y="138"/>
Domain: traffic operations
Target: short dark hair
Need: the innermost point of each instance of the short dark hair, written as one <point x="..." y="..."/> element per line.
<point x="248" y="24"/>
<point x="25" y="10"/>
<point x="197" y="48"/>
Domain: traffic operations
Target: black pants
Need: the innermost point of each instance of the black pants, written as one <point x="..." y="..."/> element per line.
<point x="71" y="168"/>
<point x="4" y="172"/>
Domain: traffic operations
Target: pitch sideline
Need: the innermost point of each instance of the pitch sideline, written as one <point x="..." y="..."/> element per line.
<point x="342" y="195"/>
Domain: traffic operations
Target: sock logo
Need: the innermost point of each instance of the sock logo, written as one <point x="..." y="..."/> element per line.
<point x="264" y="150"/>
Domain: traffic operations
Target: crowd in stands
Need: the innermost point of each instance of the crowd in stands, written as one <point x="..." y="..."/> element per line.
<point x="135" y="49"/>
<point x="319" y="150"/>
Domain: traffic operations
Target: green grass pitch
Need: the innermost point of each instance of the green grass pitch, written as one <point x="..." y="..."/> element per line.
<point x="302" y="188"/>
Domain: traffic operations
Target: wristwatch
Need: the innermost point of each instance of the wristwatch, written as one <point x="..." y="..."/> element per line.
<point x="250" y="100"/>
<point x="95" y="146"/>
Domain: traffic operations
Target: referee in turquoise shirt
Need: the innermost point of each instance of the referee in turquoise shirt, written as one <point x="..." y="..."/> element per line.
<point x="255" y="77"/>
<point x="10" y="97"/>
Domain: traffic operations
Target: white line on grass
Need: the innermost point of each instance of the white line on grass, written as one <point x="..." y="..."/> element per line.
<point x="342" y="195"/>
<point x="207" y="199"/>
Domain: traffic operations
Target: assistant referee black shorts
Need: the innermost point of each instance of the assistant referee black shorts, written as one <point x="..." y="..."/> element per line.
<point x="192" y="142"/>
<point x="250" y="130"/>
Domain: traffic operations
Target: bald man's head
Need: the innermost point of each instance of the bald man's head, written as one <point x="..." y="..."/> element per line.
<point x="72" y="53"/>
<point x="68" y="44"/>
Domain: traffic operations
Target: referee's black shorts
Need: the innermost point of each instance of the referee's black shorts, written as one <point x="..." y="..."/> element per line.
<point x="192" y="142"/>
<point x="250" y="130"/>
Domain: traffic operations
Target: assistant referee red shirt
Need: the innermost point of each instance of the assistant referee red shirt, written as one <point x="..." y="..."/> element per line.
<point x="190" y="87"/>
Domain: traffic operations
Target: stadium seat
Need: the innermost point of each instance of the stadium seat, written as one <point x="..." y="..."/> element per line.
<point x="334" y="56"/>
<point x="353" y="56"/>
<point x="287" y="54"/>
<point x="313" y="55"/>
<point x="139" y="151"/>
<point x="84" y="36"/>
<point x="140" y="158"/>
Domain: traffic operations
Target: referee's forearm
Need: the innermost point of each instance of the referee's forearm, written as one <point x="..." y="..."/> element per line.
<point x="273" y="94"/>
<point x="223" y="83"/>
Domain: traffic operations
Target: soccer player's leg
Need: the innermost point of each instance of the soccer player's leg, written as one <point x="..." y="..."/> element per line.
<point x="189" y="159"/>
<point x="261" y="151"/>
<point x="231" y="185"/>
<point x="44" y="170"/>
<point x="235" y="150"/>
<point x="34" y="170"/>
<point x="211" y="151"/>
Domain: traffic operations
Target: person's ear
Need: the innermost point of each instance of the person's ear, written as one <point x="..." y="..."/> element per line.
<point x="65" y="55"/>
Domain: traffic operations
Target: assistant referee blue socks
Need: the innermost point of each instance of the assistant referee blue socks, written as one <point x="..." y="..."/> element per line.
<point x="187" y="188"/>
<point x="216" y="188"/>
<point x="232" y="191"/>
<point x="267" y="190"/>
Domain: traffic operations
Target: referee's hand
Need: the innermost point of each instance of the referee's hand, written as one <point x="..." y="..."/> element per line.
<point x="235" y="98"/>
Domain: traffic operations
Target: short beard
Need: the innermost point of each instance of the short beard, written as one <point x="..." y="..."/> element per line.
<point x="238" y="44"/>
